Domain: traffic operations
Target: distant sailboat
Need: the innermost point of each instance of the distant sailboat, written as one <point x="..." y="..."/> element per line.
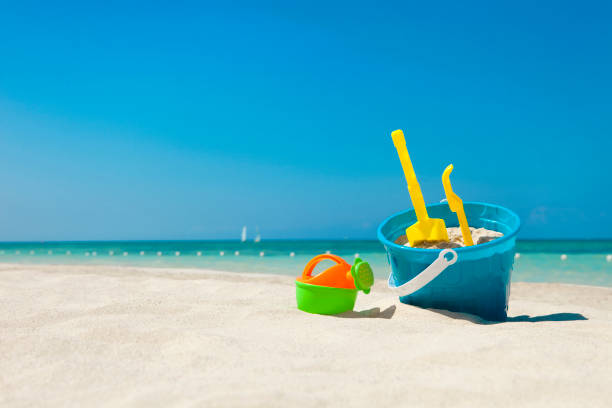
<point x="257" y="236"/>
<point x="243" y="235"/>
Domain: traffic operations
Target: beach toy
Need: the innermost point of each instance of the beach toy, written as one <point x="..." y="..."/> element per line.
<point x="334" y="290"/>
<point x="363" y="276"/>
<point x="337" y="276"/>
<point x="474" y="279"/>
<point x="456" y="205"/>
<point x="425" y="228"/>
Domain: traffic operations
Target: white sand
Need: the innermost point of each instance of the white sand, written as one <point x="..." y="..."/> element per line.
<point x="112" y="336"/>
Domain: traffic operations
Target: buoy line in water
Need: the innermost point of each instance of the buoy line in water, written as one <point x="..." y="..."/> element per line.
<point x="261" y="254"/>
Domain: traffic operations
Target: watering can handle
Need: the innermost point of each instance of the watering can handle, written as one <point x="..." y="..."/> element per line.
<point x="314" y="261"/>
<point x="428" y="274"/>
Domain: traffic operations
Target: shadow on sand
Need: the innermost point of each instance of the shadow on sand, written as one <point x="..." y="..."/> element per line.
<point x="374" y="313"/>
<point x="377" y="313"/>
<point x="554" y="317"/>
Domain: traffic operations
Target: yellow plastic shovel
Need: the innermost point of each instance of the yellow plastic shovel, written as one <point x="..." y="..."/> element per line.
<point x="425" y="229"/>
<point x="456" y="206"/>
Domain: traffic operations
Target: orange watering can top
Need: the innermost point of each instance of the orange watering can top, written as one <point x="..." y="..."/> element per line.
<point x="341" y="275"/>
<point x="338" y="276"/>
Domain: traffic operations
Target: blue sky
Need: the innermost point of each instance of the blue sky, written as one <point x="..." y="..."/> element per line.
<point x="180" y="120"/>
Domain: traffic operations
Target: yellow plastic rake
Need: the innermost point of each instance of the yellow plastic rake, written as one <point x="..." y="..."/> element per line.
<point x="425" y="229"/>
<point x="456" y="206"/>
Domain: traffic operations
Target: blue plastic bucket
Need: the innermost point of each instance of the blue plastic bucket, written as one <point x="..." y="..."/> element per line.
<point x="478" y="282"/>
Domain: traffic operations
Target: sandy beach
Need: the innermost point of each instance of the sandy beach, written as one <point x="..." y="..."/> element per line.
<point x="125" y="336"/>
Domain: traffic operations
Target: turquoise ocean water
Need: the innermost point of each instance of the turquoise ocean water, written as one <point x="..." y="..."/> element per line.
<point x="539" y="261"/>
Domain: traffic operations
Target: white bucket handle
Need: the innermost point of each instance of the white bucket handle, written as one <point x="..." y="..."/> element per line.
<point x="428" y="274"/>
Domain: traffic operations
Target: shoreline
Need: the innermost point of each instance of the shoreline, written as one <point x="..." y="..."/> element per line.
<point x="195" y="270"/>
<point x="129" y="335"/>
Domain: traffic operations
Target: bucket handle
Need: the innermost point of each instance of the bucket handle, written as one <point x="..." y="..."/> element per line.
<point x="428" y="274"/>
<point x="314" y="261"/>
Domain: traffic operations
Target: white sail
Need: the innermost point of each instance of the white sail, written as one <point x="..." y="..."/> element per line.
<point x="243" y="235"/>
<point x="257" y="236"/>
